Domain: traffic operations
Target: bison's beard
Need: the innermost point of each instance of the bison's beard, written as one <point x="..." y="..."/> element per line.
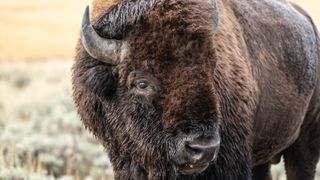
<point x="141" y="139"/>
<point x="148" y="146"/>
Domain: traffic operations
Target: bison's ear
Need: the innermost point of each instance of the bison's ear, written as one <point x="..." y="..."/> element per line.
<point x="95" y="76"/>
<point x="103" y="82"/>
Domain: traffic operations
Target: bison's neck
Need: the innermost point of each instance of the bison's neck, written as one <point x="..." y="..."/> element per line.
<point x="234" y="82"/>
<point x="233" y="73"/>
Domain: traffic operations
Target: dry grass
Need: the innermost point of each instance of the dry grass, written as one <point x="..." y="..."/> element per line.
<point x="40" y="29"/>
<point x="41" y="136"/>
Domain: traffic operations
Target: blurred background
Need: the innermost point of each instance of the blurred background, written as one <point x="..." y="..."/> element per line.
<point x="41" y="136"/>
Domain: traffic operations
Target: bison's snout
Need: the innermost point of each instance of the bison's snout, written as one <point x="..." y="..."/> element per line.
<point x="195" y="154"/>
<point x="200" y="150"/>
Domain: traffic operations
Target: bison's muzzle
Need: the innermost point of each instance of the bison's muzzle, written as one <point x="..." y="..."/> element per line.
<point x="195" y="154"/>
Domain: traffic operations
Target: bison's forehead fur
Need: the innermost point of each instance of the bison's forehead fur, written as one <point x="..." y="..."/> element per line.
<point x="176" y="48"/>
<point x="172" y="40"/>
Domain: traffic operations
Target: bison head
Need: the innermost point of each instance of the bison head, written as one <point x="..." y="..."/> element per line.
<point x="143" y="84"/>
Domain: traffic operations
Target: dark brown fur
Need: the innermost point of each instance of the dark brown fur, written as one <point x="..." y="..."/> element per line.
<point x="226" y="69"/>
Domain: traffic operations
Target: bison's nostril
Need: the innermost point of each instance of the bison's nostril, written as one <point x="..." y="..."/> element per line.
<point x="194" y="151"/>
<point x="193" y="154"/>
<point x="201" y="147"/>
<point x="200" y="150"/>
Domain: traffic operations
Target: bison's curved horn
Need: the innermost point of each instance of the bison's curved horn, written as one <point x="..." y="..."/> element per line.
<point x="105" y="50"/>
<point x="213" y="4"/>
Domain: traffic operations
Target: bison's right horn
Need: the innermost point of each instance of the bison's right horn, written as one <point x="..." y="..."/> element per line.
<point x="105" y="50"/>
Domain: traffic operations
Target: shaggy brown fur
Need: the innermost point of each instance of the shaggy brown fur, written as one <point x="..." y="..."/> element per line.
<point x="246" y="71"/>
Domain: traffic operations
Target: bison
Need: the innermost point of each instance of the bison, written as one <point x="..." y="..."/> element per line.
<point x="200" y="89"/>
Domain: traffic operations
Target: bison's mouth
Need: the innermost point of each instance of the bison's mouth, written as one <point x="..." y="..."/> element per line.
<point x="189" y="169"/>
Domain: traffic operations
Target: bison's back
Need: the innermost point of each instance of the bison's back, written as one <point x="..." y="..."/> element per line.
<point x="282" y="49"/>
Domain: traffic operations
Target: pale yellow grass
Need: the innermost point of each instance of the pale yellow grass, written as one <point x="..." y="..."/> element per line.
<point x="41" y="29"/>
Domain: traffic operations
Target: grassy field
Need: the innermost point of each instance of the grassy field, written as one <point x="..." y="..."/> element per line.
<point x="41" y="136"/>
<point x="40" y="29"/>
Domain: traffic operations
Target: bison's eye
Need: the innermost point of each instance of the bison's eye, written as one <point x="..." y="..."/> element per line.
<point x="143" y="85"/>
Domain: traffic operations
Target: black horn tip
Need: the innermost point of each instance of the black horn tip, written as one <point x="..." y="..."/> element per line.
<point x="86" y="17"/>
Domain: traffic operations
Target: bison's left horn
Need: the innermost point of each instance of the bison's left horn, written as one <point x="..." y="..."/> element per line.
<point x="105" y="50"/>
